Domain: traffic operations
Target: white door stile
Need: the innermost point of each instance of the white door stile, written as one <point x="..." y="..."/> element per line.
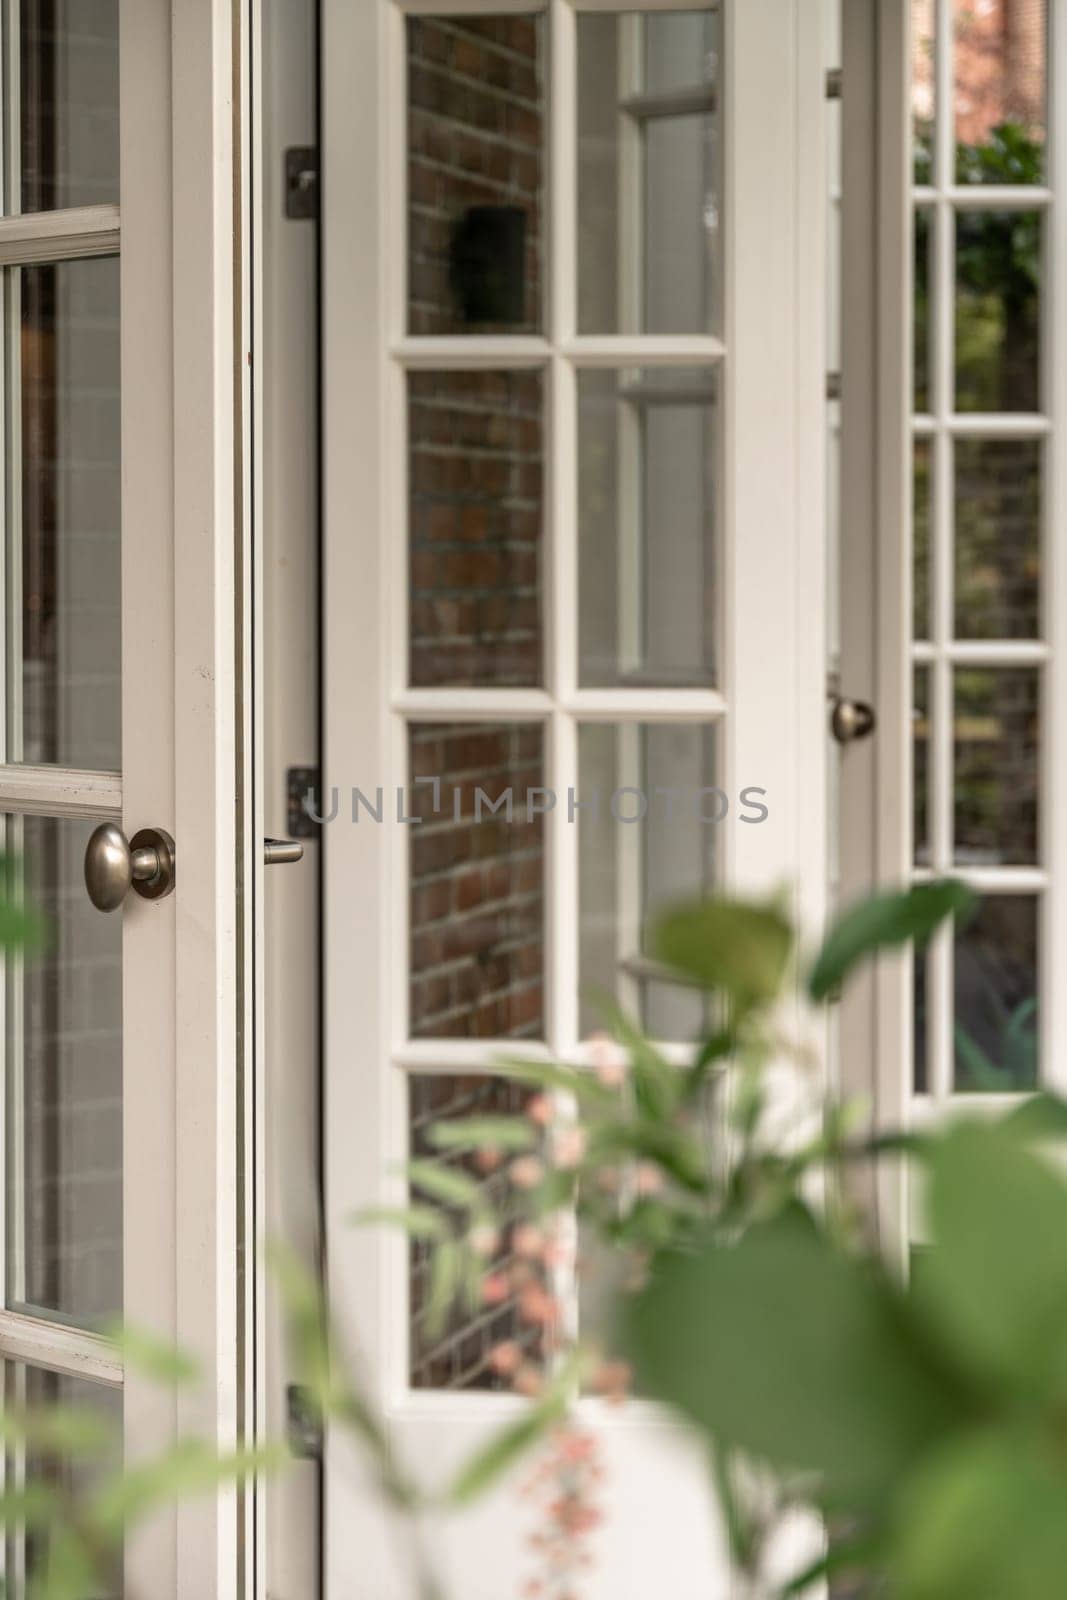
<point x="212" y="776"/>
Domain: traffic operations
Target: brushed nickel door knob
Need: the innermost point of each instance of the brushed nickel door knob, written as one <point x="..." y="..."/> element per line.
<point x="114" y="865"/>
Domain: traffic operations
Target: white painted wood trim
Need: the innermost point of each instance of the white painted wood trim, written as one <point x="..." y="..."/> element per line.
<point x="208" y="743"/>
<point x="59" y="1348"/>
<point x="59" y="235"/>
<point x="60" y="792"/>
<point x="148" y="1002"/>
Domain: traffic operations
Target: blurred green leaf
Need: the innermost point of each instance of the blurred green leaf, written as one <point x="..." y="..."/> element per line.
<point x="152" y="1356"/>
<point x="1041" y="1116"/>
<point x="420" y="1222"/>
<point x="884" y="922"/>
<point x="484" y="1133"/>
<point x="732" y="946"/>
<point x="995" y="1284"/>
<point x="511" y="1442"/>
<point x="787" y="1349"/>
<point x="983" y="1520"/>
<point x="446" y="1280"/>
<point x="446" y="1184"/>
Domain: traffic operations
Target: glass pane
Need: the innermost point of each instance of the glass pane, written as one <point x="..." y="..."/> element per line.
<point x="923" y="87"/>
<point x="31" y="1389"/>
<point x="996" y="755"/>
<point x="648" y="813"/>
<point x="477" y="880"/>
<point x="922" y="523"/>
<point x="920" y="1023"/>
<point x="996" y="1030"/>
<point x="649" y="174"/>
<point x="475" y="480"/>
<point x="647" y="497"/>
<point x="66" y="705"/>
<point x="69" y="103"/>
<point x="921" y="758"/>
<point x="458" y="1354"/>
<point x="998" y="310"/>
<point x="998" y="538"/>
<point x="680" y="49"/>
<point x="476" y="174"/>
<point x="64" y="1076"/>
<point x="924" y="243"/>
<point x="999" y="60"/>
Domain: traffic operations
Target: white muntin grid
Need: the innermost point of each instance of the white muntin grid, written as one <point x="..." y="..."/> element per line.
<point x="562" y="705"/>
<point x="941" y="653"/>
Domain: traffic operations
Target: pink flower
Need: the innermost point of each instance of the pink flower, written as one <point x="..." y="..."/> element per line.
<point x="648" y="1179"/>
<point x="569" y="1147"/>
<point x="612" y="1379"/>
<point x="505" y="1358"/>
<point x="528" y="1382"/>
<point x="495" y="1289"/>
<point x="528" y="1241"/>
<point x="526" y="1172"/>
<point x="483" y="1239"/>
<point x="487" y="1159"/>
<point x="540" y="1110"/>
<point x="609" y="1061"/>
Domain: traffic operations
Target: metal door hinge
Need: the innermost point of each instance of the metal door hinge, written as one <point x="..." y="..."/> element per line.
<point x="302" y="787"/>
<point x="835" y="83"/>
<point x="301" y="182"/>
<point x="833" y="386"/>
<point x="303" y="1423"/>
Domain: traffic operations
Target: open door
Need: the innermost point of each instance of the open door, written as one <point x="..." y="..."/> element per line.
<point x="574" y="552"/>
<point x="125" y="624"/>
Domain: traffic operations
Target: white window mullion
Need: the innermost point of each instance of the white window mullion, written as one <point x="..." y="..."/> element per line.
<point x="1053" y="922"/>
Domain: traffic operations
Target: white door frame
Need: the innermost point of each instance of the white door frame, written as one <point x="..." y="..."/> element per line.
<point x="774" y="683"/>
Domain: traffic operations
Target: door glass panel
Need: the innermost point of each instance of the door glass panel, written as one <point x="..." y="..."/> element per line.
<point x="923" y="488"/>
<point x="921" y="761"/>
<point x="476" y="486"/>
<point x="649" y="184"/>
<point x="648" y="811"/>
<point x="998" y="538"/>
<point x="458" y="1351"/>
<point x="996" y="785"/>
<point x="996" y="1034"/>
<point x="32" y="1389"/>
<point x="64" y="1077"/>
<point x="65" y="699"/>
<point x="476" y="119"/>
<point x="923" y="86"/>
<point x="647" y="503"/>
<point x="998" y="310"/>
<point x="999" y="58"/>
<point x="477" y="880"/>
<point x="69" y="103"/>
<point x="924" y="242"/>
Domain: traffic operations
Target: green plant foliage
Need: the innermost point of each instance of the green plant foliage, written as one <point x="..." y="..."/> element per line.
<point x="929" y="1415"/>
<point x="732" y="947"/>
<point x="884" y="922"/>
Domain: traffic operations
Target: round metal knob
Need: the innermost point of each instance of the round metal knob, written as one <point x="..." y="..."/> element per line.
<point x="114" y="865"/>
<point x="851" y="720"/>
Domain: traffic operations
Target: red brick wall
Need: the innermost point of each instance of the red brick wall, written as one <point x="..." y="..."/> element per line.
<point x="476" y="446"/>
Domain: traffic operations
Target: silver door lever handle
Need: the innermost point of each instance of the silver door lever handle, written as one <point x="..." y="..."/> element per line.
<point x="280" y="852"/>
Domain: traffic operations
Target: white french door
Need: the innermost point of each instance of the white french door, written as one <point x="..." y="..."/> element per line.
<point x="573" y="367"/>
<point x="124" y="589"/>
